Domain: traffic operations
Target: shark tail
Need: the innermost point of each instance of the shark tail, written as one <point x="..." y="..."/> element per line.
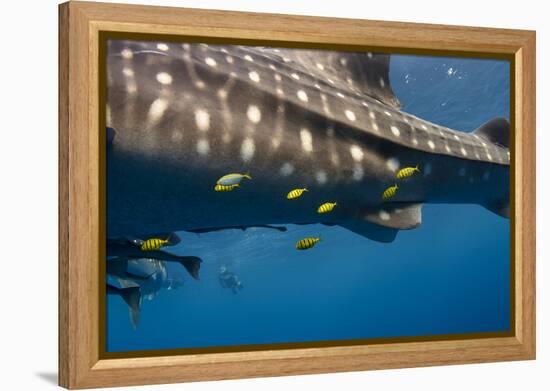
<point x="192" y="265"/>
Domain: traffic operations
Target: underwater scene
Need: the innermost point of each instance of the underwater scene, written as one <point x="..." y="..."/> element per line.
<point x="262" y="195"/>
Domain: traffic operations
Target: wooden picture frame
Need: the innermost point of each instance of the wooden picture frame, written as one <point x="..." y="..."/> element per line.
<point x="81" y="364"/>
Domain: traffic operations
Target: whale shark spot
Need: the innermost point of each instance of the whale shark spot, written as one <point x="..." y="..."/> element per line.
<point x="248" y="58"/>
<point x="395" y="131"/>
<point x="229" y="59"/>
<point x="341" y="95"/>
<point x="302" y="95"/>
<point x="186" y="46"/>
<point x="330" y="81"/>
<point x="127" y="54"/>
<point x="374" y="126"/>
<point x="108" y="115"/>
<point x="489" y="156"/>
<point x="202" y="119"/>
<point x="384" y="216"/>
<point x="392" y="164"/>
<point x="424" y="127"/>
<point x="162" y="46"/>
<point x="415" y="141"/>
<point x="387" y="113"/>
<point x="156" y="110"/>
<point x="343" y="61"/>
<point x="279" y="91"/>
<point x="128" y="72"/>
<point x="320" y="66"/>
<point x="372" y="115"/>
<point x="295" y="76"/>
<point x="203" y="147"/>
<point x="350" y="115"/>
<point x="247" y="149"/>
<point x="254" y="114"/>
<point x="222" y="94"/>
<point x="456" y="137"/>
<point x="164" y="78"/>
<point x="210" y="62"/>
<point x="306" y="139"/>
<point x="200" y="84"/>
<point x="321" y="177"/>
<point x="277" y="77"/>
<point x="365" y="103"/>
<point x="431" y="144"/>
<point x="254" y="76"/>
<point x="358" y="172"/>
<point x="382" y="83"/>
<point x="272" y="67"/>
<point x="177" y="136"/>
<point x="463" y="151"/>
<point x="356" y="153"/>
<point x="286" y="169"/>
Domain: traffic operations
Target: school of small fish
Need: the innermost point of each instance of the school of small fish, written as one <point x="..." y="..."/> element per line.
<point x="229" y="182"/>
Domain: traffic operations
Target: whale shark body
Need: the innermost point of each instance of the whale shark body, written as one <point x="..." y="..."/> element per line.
<point x="180" y="116"/>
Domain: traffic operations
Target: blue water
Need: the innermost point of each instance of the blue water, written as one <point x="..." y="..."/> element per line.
<point x="450" y="275"/>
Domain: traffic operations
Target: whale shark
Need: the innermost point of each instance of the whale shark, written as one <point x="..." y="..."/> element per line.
<point x="181" y="115"/>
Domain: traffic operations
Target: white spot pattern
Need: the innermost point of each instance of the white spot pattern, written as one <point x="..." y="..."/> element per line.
<point x="164" y="78"/>
<point x="302" y="96"/>
<point x="307" y="140"/>
<point x="254" y="114"/>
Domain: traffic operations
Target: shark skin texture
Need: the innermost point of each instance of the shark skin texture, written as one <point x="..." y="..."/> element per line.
<point x="180" y="116"/>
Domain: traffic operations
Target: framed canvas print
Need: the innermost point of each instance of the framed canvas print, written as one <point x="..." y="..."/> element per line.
<point x="249" y="195"/>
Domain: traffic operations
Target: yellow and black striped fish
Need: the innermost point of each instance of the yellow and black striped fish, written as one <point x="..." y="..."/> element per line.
<point x="306" y="243"/>
<point x="295" y="193"/>
<point x="407" y="172"/>
<point x="326" y="207"/>
<point x="390" y="192"/>
<point x="153" y="244"/>
<point x="225" y="188"/>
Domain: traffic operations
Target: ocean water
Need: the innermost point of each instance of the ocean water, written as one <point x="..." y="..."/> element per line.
<point x="450" y="275"/>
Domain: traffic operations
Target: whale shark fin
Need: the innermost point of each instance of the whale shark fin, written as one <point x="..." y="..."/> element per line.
<point x="497" y="131"/>
<point x="132" y="297"/>
<point x="370" y="231"/>
<point x="397" y="216"/>
<point x="499" y="208"/>
<point x="367" y="72"/>
<point x="192" y="265"/>
<point x="373" y="73"/>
